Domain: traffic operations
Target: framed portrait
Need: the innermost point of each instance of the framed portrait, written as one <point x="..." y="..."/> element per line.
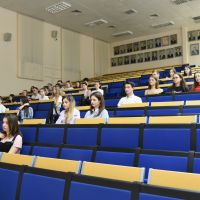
<point x="129" y="48"/>
<point x="150" y="44"/>
<point x="165" y="41"/>
<point x="116" y="50"/>
<point x="143" y="45"/>
<point x="194" y="49"/>
<point x="154" y="56"/>
<point x="120" y="61"/>
<point x="162" y="55"/>
<point x="170" y="53"/>
<point x="158" y="42"/>
<point x="136" y="46"/>
<point x="192" y="36"/>
<point x="122" y="49"/>
<point x="114" y="62"/>
<point x="198" y="35"/>
<point x="173" y="39"/>
<point x="178" y="51"/>
<point x="133" y="59"/>
<point x="126" y="60"/>
<point x="147" y="57"/>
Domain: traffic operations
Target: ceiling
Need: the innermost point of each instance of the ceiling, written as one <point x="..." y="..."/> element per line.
<point x="114" y="12"/>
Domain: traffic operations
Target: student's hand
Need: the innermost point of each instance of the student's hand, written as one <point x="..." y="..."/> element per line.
<point x="2" y="135"/>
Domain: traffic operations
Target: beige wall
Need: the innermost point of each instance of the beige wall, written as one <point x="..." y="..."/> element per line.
<point x="72" y="56"/>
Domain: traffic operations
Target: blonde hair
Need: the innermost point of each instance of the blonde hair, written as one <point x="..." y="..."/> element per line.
<point x="70" y="110"/>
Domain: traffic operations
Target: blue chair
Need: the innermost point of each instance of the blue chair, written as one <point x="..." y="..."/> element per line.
<point x="51" y="135"/>
<point x="41" y="114"/>
<point x="45" y="106"/>
<point x="116" y="84"/>
<point x="25" y="150"/>
<point x="139" y="92"/>
<point x="187" y="110"/>
<point x="41" y="187"/>
<point x="120" y="137"/>
<point x="51" y="152"/>
<point x="76" y="154"/>
<point x="82" y="113"/>
<point x="196" y="165"/>
<point x="115" y="158"/>
<point x="82" y="136"/>
<point x="183" y="97"/>
<point x="9" y="182"/>
<point x="145" y="196"/>
<point x="162" y="111"/>
<point x="34" y="106"/>
<point x="129" y="112"/>
<point x="80" y="191"/>
<point x="174" y="139"/>
<point x="198" y="140"/>
<point x="160" y="98"/>
<point x="111" y="102"/>
<point x="29" y="134"/>
<point x="173" y="163"/>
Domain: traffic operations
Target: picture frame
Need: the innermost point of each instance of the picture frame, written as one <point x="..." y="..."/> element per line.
<point x="194" y="49"/>
<point x="126" y="60"/>
<point x="162" y="55"/>
<point x="120" y="61"/>
<point x="147" y="57"/>
<point x="150" y="44"/>
<point x="133" y="59"/>
<point x="154" y="56"/>
<point x="116" y="50"/>
<point x="129" y="48"/>
<point x="178" y="51"/>
<point x="192" y="35"/>
<point x="173" y="39"/>
<point x="136" y="46"/>
<point x="170" y="53"/>
<point x="157" y="42"/>
<point x="165" y="41"/>
<point x="143" y="45"/>
<point x="114" y="62"/>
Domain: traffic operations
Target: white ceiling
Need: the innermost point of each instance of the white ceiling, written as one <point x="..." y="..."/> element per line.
<point x="112" y="11"/>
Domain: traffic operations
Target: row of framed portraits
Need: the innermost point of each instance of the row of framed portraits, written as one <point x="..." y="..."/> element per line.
<point x="147" y="57"/>
<point x="146" y="44"/>
<point x="193" y="35"/>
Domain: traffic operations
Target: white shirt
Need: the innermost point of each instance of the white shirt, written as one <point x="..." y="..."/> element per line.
<point x="35" y="97"/>
<point x="104" y="114"/>
<point x="44" y="98"/>
<point x="61" y="119"/>
<point x="99" y="90"/>
<point x="2" y="109"/>
<point x="129" y="100"/>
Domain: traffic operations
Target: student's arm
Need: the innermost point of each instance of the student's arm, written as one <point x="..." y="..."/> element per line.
<point x="17" y="145"/>
<point x="61" y="118"/>
<point x="120" y="103"/>
<point x="31" y="112"/>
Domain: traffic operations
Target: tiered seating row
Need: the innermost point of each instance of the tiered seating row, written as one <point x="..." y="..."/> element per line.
<point x="36" y="183"/>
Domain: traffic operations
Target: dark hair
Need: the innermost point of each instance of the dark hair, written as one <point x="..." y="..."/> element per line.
<point x="182" y="83"/>
<point x="190" y="71"/>
<point x="13" y="124"/>
<point x="195" y="82"/>
<point x="99" y="84"/>
<point x="84" y="83"/>
<point x="129" y="83"/>
<point x="157" y="83"/>
<point x="86" y="79"/>
<point x="13" y="97"/>
<point x="25" y="100"/>
<point x="99" y="96"/>
<point x="173" y="69"/>
<point x="1" y="99"/>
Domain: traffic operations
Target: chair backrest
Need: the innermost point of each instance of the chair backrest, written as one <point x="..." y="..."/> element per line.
<point x="173" y="120"/>
<point x="83" y="107"/>
<point x="58" y="164"/>
<point x="34" y="121"/>
<point x="169" y="103"/>
<point x="192" y="103"/>
<point x="90" y="121"/>
<point x="116" y="172"/>
<point x="12" y="111"/>
<point x="181" y="180"/>
<point x="127" y="120"/>
<point x="17" y="159"/>
<point x="134" y="105"/>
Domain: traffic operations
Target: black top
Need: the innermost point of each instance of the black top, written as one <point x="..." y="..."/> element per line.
<point x="177" y="90"/>
<point x="5" y="147"/>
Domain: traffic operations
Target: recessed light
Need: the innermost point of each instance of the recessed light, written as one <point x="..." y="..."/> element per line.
<point x="76" y="12"/>
<point x="130" y="11"/>
<point x="152" y="16"/>
<point x="112" y="26"/>
<point x="58" y="7"/>
<point x="96" y="22"/>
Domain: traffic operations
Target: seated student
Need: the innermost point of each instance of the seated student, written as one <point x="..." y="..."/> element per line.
<point x="196" y="85"/>
<point x="2" y="107"/>
<point x="25" y="110"/>
<point x="130" y="97"/>
<point x="57" y="98"/>
<point x="43" y="97"/>
<point x="156" y="75"/>
<point x="187" y="71"/>
<point x="50" y="89"/>
<point x="97" y="107"/>
<point x="70" y="113"/>
<point x="77" y="85"/>
<point x="35" y="95"/>
<point x="178" y="85"/>
<point x="24" y="93"/>
<point x="10" y="138"/>
<point x="153" y="87"/>
<point x="172" y="71"/>
<point x="98" y="88"/>
<point x="11" y="98"/>
<point x="67" y="86"/>
<point x="86" y="95"/>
